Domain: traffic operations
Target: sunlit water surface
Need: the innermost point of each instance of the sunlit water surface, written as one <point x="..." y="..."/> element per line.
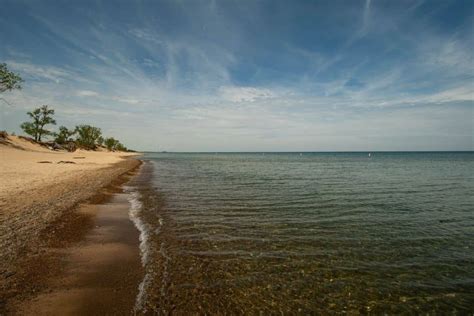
<point x="304" y="233"/>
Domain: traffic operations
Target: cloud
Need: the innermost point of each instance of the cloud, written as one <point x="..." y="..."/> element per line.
<point x="86" y="93"/>
<point x="244" y="94"/>
<point x="365" y="20"/>
<point x="126" y="100"/>
<point x="40" y="72"/>
<point x="199" y="79"/>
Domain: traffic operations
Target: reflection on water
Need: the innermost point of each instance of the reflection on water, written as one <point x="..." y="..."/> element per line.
<point x="250" y="233"/>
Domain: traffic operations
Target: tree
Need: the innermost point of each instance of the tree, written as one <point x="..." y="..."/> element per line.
<point x="87" y="136"/>
<point x="8" y="79"/>
<point x="41" y="116"/>
<point x="64" y="135"/>
<point x="110" y="143"/>
<point x="121" y="147"/>
<point x="100" y="141"/>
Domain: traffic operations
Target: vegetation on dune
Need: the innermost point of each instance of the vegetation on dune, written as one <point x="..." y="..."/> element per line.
<point x="41" y="117"/>
<point x="82" y="136"/>
<point x="110" y="143"/>
<point x="113" y="144"/>
<point x="64" y="135"/>
<point x="100" y="141"/>
<point x="87" y="136"/>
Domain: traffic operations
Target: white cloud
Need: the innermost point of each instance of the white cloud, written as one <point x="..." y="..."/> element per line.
<point x="86" y="93"/>
<point x="126" y="100"/>
<point x="40" y="72"/>
<point x="244" y="94"/>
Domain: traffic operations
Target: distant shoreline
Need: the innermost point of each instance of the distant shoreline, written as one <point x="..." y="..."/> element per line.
<point x="309" y="152"/>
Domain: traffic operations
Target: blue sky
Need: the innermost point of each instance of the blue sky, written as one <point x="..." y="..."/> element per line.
<point x="248" y="75"/>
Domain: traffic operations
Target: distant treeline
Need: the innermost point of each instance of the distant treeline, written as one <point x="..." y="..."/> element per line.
<point x="82" y="136"/>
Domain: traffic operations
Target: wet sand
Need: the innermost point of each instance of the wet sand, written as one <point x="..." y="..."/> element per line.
<point x="101" y="273"/>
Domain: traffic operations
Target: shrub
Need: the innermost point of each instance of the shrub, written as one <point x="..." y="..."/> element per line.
<point x="110" y="143"/>
<point x="87" y="136"/>
<point x="64" y="135"/>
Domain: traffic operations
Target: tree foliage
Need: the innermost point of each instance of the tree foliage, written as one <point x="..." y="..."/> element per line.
<point x="120" y="147"/>
<point x="87" y="136"/>
<point x="100" y="141"/>
<point x="113" y="144"/>
<point x="110" y="143"/>
<point x="64" y="135"/>
<point x="8" y="79"/>
<point x="41" y="117"/>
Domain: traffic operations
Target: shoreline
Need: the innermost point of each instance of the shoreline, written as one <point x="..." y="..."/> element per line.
<point x="73" y="231"/>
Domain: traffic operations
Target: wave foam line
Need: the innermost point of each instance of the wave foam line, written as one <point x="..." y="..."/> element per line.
<point x="144" y="229"/>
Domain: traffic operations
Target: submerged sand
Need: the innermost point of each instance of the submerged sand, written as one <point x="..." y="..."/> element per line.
<point x="41" y="221"/>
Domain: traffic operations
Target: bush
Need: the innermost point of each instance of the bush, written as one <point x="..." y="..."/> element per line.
<point x="87" y="136"/>
<point x="64" y="135"/>
<point x="110" y="143"/>
<point x="113" y="144"/>
<point x="100" y="141"/>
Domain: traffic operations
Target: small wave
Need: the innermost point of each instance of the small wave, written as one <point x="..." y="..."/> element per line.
<point x="165" y="269"/>
<point x="144" y="229"/>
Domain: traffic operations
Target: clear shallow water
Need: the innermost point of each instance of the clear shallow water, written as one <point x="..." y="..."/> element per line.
<point x="317" y="232"/>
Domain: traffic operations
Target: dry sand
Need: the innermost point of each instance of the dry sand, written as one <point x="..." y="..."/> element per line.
<point x="43" y="228"/>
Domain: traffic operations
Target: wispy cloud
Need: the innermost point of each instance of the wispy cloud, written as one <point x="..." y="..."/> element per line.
<point x="196" y="77"/>
<point x="86" y="93"/>
<point x="366" y="16"/>
<point x="244" y="94"/>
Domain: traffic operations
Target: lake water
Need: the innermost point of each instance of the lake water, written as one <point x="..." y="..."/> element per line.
<point x="306" y="233"/>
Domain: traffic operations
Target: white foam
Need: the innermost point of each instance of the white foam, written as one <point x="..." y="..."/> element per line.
<point x="165" y="269"/>
<point x="143" y="228"/>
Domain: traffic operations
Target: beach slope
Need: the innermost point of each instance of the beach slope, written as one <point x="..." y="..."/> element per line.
<point x="40" y="192"/>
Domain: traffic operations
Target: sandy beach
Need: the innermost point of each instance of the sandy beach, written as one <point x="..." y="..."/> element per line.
<point x="63" y="219"/>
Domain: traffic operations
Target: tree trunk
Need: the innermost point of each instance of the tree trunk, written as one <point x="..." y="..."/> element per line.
<point x="40" y="130"/>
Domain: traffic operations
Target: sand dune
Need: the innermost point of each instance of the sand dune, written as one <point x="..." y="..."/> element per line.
<point x="26" y="166"/>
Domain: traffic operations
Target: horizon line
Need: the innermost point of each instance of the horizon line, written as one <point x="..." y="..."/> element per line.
<point x="298" y="152"/>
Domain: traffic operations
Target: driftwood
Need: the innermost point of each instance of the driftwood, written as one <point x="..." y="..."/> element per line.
<point x="66" y="161"/>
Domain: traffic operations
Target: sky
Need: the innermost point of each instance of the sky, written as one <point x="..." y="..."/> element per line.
<point x="244" y="75"/>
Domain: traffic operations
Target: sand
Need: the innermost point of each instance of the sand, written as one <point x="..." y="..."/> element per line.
<point x="28" y="166"/>
<point x="44" y="224"/>
<point x="100" y="274"/>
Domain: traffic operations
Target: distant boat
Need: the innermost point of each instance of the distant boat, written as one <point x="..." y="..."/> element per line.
<point x="370" y="155"/>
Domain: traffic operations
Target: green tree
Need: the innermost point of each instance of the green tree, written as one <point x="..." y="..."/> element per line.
<point x="41" y="116"/>
<point x="64" y="135"/>
<point x="100" y="141"/>
<point x="110" y="143"/>
<point x="8" y="80"/>
<point x="120" y="147"/>
<point x="87" y="136"/>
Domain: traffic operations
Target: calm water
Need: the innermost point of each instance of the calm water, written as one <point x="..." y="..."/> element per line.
<point x="317" y="232"/>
